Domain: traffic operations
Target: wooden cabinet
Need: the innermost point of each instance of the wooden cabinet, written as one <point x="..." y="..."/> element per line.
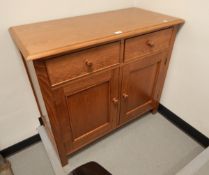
<point x="96" y="72"/>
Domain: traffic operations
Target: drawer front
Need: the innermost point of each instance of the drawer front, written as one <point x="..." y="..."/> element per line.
<point x="71" y="66"/>
<point x="147" y="44"/>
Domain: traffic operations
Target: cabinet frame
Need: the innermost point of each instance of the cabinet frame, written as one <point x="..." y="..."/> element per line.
<point x="53" y="127"/>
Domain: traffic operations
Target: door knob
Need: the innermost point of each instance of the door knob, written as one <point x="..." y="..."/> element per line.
<point x="150" y="43"/>
<point x="115" y="101"/>
<point x="88" y="63"/>
<point x="125" y="96"/>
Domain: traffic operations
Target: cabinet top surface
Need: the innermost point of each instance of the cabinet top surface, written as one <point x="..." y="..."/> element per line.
<point x="44" y="39"/>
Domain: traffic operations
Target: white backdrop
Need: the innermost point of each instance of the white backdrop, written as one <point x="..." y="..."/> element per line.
<point x="186" y="90"/>
<point x="18" y="110"/>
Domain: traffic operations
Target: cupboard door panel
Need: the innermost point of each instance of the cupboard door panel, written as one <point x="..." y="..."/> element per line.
<point x="141" y="86"/>
<point x="90" y="110"/>
<point x="138" y="86"/>
<point x="94" y="108"/>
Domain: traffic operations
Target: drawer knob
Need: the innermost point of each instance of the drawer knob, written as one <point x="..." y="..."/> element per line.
<point x="89" y="63"/>
<point x="115" y="101"/>
<point x="150" y="43"/>
<point x="125" y="96"/>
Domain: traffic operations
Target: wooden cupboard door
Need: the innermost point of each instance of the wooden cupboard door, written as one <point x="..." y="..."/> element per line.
<point x="140" y="79"/>
<point x="92" y="107"/>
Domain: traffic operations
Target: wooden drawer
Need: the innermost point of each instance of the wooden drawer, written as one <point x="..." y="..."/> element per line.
<point x="147" y="44"/>
<point x="67" y="67"/>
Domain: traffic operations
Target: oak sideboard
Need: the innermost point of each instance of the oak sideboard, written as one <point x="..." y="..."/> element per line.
<point x="92" y="74"/>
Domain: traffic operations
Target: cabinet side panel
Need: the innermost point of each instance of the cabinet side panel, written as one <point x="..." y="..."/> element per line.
<point x="48" y="98"/>
<point x="161" y="80"/>
<point x="37" y="90"/>
<point x="39" y="99"/>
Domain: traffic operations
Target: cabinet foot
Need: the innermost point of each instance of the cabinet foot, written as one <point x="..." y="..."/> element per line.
<point x="155" y="108"/>
<point x="64" y="160"/>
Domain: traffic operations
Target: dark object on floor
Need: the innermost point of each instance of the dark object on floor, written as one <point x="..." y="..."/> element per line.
<point x="91" y="168"/>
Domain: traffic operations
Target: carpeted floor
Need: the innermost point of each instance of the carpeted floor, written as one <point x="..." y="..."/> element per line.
<point x="149" y="145"/>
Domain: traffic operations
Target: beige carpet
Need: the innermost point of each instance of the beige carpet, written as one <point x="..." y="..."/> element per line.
<point x="149" y="145"/>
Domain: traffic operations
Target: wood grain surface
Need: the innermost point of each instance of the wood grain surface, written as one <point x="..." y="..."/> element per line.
<point x="49" y="38"/>
<point x="71" y="66"/>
